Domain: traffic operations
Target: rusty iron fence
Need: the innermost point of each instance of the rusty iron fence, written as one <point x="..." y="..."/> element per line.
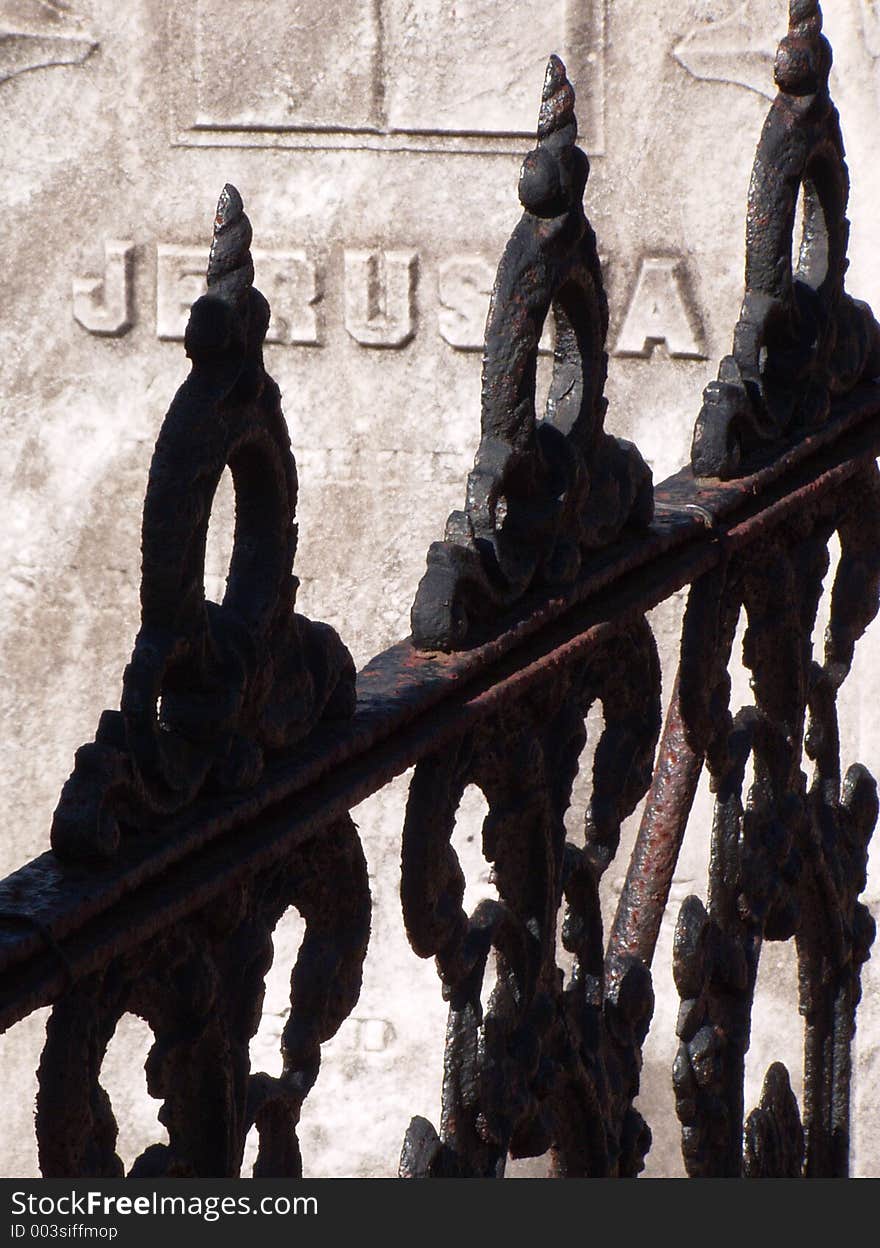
<point x="218" y="795"/>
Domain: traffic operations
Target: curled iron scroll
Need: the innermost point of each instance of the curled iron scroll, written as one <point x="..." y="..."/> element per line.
<point x="548" y="1063"/>
<point x="541" y="494"/>
<point x="789" y="851"/>
<point x="211" y="688"/>
<point x="800" y="339"/>
<point x="199" y="984"/>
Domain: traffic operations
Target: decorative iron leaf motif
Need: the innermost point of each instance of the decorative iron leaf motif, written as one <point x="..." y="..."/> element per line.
<point x="199" y="985"/>
<point x="547" y="1065"/>
<point x="774" y="1137"/>
<point x="789" y="858"/>
<point x="801" y="339"/>
<point x="211" y="690"/>
<point x="542" y="494"/>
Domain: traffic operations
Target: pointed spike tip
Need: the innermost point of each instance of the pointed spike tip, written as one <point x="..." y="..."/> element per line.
<point x="230" y="264"/>
<point x="801" y="11"/>
<point x="554" y="75"/>
<point x="557" y="100"/>
<point x="229" y="206"/>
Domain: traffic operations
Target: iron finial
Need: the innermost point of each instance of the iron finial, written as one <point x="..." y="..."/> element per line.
<point x="556" y="114"/>
<point x="230" y="264"/>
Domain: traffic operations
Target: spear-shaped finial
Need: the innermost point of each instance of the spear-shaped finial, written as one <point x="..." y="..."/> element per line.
<point x="555" y="172"/>
<point x="557" y="103"/>
<point x="802" y="12"/>
<point x="803" y="61"/>
<point x="230" y="265"/>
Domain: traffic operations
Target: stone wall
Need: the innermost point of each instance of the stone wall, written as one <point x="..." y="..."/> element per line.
<point x="376" y="144"/>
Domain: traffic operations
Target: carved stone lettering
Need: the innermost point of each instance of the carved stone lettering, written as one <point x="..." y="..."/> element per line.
<point x="103" y="305"/>
<point x="292" y="286"/>
<point x="289" y="280"/>
<point x="658" y="313"/>
<point x="464" y="288"/>
<point x="180" y="281"/>
<point x="368" y="1035"/>
<point x="380" y="297"/>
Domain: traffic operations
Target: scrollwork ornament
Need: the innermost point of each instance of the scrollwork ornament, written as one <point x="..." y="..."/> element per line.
<point x="546" y="1065"/>
<point x="800" y="339"/>
<point x="789" y="858"/>
<point x="199" y="985"/>
<point x="542" y="494"/>
<point x="212" y="689"/>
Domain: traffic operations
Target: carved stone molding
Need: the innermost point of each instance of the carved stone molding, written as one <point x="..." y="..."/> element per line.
<point x="36" y="34"/>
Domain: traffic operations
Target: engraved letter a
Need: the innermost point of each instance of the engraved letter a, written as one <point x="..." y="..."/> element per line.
<point x="659" y="312"/>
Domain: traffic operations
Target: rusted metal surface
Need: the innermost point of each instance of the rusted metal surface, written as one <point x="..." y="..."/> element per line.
<point x="544" y="1067"/>
<point x="788" y="859"/>
<point x="199" y="985"/>
<point x="788" y="856"/>
<point x="661" y="832"/>
<point x="409" y="701"/>
<point x="801" y="339"/>
<point x="211" y="690"/>
<point x="542" y="494"/>
<point x="219" y="794"/>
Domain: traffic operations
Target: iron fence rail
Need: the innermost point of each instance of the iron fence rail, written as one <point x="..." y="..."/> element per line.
<point x="218" y="795"/>
<point x="58" y="920"/>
